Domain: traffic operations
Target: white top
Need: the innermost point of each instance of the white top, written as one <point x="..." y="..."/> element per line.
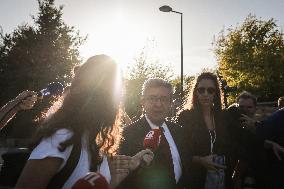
<point x="48" y="148"/>
<point x="173" y="148"/>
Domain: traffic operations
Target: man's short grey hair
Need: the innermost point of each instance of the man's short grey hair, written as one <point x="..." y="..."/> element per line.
<point x="154" y="83"/>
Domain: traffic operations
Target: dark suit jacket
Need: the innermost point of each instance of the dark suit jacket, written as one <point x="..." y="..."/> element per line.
<point x="156" y="175"/>
<point x="198" y="144"/>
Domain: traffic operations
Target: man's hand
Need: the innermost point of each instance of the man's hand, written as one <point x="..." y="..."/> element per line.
<point x="248" y="122"/>
<point x="144" y="157"/>
<point x="277" y="149"/>
<point x="121" y="165"/>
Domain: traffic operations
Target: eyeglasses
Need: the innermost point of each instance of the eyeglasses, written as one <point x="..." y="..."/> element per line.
<point x="210" y="90"/>
<point x="162" y="99"/>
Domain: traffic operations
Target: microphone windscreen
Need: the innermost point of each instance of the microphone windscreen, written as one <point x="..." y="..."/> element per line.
<point x="91" y="181"/>
<point x="152" y="139"/>
<point x="54" y="88"/>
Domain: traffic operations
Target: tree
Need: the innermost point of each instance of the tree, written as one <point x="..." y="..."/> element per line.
<point x="34" y="55"/>
<point x="176" y="83"/>
<point x="144" y="67"/>
<point x="251" y="56"/>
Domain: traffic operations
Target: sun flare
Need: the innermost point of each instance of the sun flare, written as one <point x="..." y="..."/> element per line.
<point x="119" y="38"/>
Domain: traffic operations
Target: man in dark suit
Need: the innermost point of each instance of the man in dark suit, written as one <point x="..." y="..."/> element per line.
<point x="165" y="171"/>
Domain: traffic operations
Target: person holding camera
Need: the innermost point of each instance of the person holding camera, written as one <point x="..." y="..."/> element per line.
<point x="24" y="101"/>
<point x="203" y="120"/>
<point x="249" y="150"/>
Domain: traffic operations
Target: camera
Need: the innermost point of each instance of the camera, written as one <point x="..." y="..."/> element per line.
<point x="236" y="113"/>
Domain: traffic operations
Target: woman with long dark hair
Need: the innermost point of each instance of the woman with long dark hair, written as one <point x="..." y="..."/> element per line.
<point x="202" y="118"/>
<point x="89" y="114"/>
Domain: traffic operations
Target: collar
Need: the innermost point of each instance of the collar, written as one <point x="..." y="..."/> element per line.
<point x="152" y="125"/>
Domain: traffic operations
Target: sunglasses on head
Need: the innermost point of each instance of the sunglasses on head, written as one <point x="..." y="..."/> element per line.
<point x="210" y="90"/>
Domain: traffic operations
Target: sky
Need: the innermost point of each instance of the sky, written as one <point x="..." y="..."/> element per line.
<point x="121" y="28"/>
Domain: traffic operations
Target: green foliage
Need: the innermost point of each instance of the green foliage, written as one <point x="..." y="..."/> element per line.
<point x="176" y="83"/>
<point x="33" y="56"/>
<point x="144" y="69"/>
<point x="251" y="56"/>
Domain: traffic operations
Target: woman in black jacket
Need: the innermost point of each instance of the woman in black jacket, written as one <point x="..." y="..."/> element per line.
<point x="203" y="120"/>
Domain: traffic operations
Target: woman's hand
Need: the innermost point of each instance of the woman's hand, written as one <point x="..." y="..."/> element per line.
<point x="207" y="162"/>
<point x="121" y="165"/>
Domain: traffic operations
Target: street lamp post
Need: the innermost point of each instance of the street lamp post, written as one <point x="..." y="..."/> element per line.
<point x="166" y="8"/>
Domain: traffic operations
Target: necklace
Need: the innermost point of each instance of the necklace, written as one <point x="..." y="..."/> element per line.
<point x="213" y="136"/>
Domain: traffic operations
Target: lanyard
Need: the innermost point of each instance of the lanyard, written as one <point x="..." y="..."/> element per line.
<point x="212" y="134"/>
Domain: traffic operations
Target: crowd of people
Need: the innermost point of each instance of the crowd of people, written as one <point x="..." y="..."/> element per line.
<point x="82" y="143"/>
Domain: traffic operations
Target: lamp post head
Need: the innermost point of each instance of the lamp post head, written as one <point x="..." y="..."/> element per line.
<point x="165" y="8"/>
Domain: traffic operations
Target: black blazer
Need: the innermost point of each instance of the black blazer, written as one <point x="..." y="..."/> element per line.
<point x="198" y="144"/>
<point x="154" y="176"/>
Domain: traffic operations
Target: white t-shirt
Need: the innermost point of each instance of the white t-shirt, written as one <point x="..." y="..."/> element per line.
<point x="48" y="147"/>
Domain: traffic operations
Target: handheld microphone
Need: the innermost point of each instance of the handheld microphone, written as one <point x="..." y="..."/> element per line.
<point x="92" y="180"/>
<point x="54" y="88"/>
<point x="151" y="141"/>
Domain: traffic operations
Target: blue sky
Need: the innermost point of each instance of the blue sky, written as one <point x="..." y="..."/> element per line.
<point x="121" y="28"/>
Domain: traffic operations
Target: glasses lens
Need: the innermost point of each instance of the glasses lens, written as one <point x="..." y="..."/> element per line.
<point x="151" y="99"/>
<point x="162" y="99"/>
<point x="165" y="99"/>
<point x="210" y="90"/>
<point x="201" y="90"/>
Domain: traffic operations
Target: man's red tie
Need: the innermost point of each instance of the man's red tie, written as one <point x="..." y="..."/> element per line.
<point x="166" y="153"/>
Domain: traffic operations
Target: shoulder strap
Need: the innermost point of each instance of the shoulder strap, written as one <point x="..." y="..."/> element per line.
<point x="61" y="177"/>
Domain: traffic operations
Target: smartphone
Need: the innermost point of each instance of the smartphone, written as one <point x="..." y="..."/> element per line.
<point x="221" y="160"/>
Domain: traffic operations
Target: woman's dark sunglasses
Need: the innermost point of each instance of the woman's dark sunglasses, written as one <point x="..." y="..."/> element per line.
<point x="210" y="90"/>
